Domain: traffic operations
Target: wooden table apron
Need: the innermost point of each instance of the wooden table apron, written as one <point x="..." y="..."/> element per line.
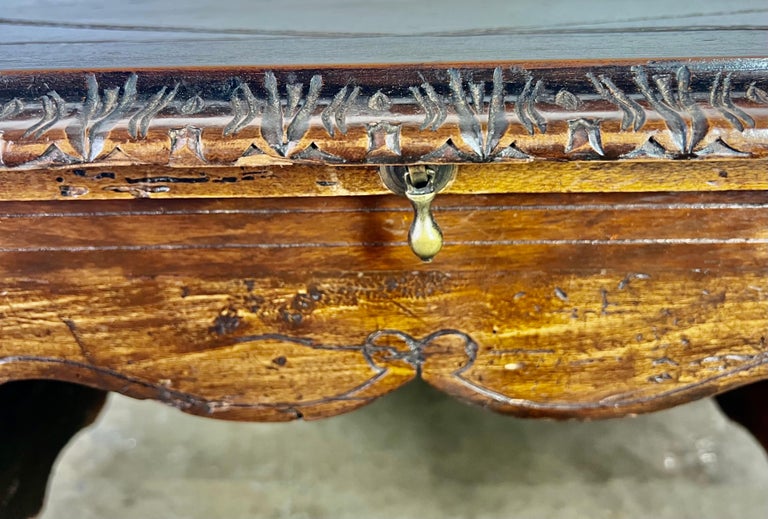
<point x="220" y="240"/>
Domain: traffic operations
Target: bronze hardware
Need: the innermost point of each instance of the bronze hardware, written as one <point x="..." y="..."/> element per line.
<point x="420" y="185"/>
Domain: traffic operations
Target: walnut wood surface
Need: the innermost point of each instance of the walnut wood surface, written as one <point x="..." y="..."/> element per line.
<point x="272" y="309"/>
<point x="127" y="182"/>
<point x="270" y="281"/>
<point x="509" y="113"/>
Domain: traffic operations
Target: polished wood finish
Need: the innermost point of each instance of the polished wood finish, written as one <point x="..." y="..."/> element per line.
<point x="158" y="182"/>
<point x="270" y="280"/>
<point x="496" y="113"/>
<point x="273" y="309"/>
<point x="191" y="211"/>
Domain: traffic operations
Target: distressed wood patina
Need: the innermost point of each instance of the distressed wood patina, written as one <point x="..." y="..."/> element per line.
<point x="193" y="212"/>
<point x="544" y="305"/>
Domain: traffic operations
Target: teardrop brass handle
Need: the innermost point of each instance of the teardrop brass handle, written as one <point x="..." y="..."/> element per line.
<point x="420" y="185"/>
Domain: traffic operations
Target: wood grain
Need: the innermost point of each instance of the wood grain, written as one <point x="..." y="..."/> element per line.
<point x="506" y="113"/>
<point x="157" y="182"/>
<point x="190" y="209"/>
<point x="539" y="305"/>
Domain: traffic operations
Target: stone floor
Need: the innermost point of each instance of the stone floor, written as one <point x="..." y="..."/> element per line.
<point x="413" y="454"/>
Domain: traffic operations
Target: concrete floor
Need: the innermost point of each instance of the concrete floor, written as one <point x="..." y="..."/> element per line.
<point x="413" y="454"/>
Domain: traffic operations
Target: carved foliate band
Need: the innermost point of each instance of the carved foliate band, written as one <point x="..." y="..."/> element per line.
<point x="406" y="115"/>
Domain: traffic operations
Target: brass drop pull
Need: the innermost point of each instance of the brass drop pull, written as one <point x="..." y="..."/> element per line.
<point x="420" y="184"/>
<point x="425" y="236"/>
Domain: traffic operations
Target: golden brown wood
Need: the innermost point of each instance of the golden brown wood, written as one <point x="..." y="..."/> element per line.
<point x="250" y="121"/>
<point x="126" y="182"/>
<point x="302" y="300"/>
<point x="543" y="305"/>
<point x="268" y="280"/>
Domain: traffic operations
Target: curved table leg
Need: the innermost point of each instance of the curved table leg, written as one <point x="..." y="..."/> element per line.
<point x="37" y="419"/>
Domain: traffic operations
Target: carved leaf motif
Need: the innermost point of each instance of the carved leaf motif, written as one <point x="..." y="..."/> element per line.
<point x="272" y="119"/>
<point x="672" y="119"/>
<point x="54" y="109"/>
<point x="567" y="100"/>
<point x="634" y="114"/>
<point x="112" y="110"/>
<point x="11" y="108"/>
<point x="300" y="123"/>
<point x="525" y="107"/>
<point x="193" y="105"/>
<point x="273" y="130"/>
<point x="336" y="111"/>
<point x="245" y="108"/>
<point x="497" y="118"/>
<point x="699" y="123"/>
<point x="139" y="123"/>
<point x="433" y="106"/>
<point x="469" y="126"/>
<point x="720" y="98"/>
<point x="98" y="114"/>
<point x="331" y="110"/>
<point x="757" y="95"/>
<point x="483" y="144"/>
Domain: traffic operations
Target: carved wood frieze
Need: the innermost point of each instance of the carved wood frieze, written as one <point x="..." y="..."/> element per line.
<point x="414" y="114"/>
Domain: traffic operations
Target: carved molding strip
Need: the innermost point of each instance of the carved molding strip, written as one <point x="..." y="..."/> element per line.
<point x="422" y="114"/>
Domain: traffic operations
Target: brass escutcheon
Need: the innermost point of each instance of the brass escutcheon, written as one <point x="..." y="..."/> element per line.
<point x="420" y="184"/>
